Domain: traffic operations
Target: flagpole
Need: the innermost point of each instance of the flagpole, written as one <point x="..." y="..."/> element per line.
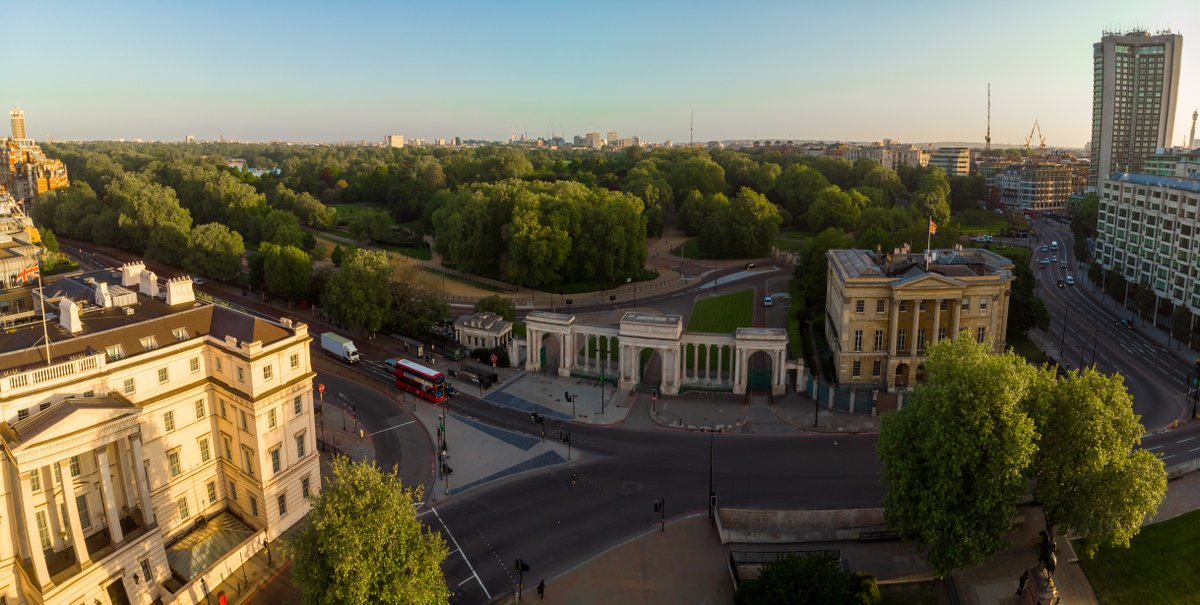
<point x="929" y="240"/>
<point x="42" y="301"/>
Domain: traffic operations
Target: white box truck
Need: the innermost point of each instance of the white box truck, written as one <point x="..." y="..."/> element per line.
<point x="339" y="346"/>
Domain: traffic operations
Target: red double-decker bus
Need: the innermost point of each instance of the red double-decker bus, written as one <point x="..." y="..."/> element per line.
<point x="420" y="381"/>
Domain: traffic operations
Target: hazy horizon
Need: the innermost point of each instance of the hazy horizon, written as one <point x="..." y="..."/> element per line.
<point x="302" y="72"/>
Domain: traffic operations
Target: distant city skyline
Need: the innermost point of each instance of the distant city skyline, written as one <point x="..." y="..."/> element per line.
<point x="314" y="72"/>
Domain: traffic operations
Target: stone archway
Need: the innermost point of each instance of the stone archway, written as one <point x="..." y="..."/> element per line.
<point x="901" y="376"/>
<point x="650" y="369"/>
<point x="760" y="369"/>
<point x="550" y="351"/>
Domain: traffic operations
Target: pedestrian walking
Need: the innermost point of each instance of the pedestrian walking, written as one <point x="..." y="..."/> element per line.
<point x="541" y="590"/>
<point x="572" y="478"/>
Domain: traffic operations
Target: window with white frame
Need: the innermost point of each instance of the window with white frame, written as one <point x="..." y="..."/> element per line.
<point x="903" y="306"/>
<point x="199" y="405"/>
<point x="241" y="374"/>
<point x="232" y="490"/>
<point x="129" y="386"/>
<point x="169" y="421"/>
<point x="205" y="454"/>
<point x="981" y="334"/>
<point x="75" y="471"/>
<point x="966" y="304"/>
<point x="184" y="513"/>
<point x="920" y="338"/>
<point x="876" y="368"/>
<point x="228" y="445"/>
<point x="173" y="463"/>
<point x="879" y="305"/>
<point x="300" y="446"/>
<point x="297" y="405"/>
<point x="248" y="461"/>
<point x="147" y="571"/>
<point x="276" y="463"/>
<point x="180" y="334"/>
<point x="878" y="340"/>
<point x="856" y="369"/>
<point x="304" y="493"/>
<point x="149" y="343"/>
<point x="221" y="403"/>
<point x="271" y="421"/>
<point x="43" y="529"/>
<point x="35" y="480"/>
<point x="860" y="305"/>
<point x="162" y="375"/>
<point x="212" y="492"/>
<point x="194" y="365"/>
<point x="114" y="353"/>
<point x="267" y="372"/>
<point x="245" y="423"/>
<point x="282" y="499"/>
<point x="85" y="516"/>
<point x="253" y="506"/>
<point x="294" y="360"/>
<point x="858" y="338"/>
<point x="983" y="302"/>
<point x="901" y="339"/>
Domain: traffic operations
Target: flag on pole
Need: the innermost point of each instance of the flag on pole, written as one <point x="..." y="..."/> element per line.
<point x="932" y="227"/>
<point x="28" y="273"/>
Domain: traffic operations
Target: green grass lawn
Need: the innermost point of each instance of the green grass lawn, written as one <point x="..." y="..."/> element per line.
<point x="910" y="593"/>
<point x="788" y="244"/>
<point x="723" y="314"/>
<point x="480" y="285"/>
<point x="1025" y="348"/>
<point x="1158" y="567"/>
<point x="421" y="252"/>
<point x="346" y="211"/>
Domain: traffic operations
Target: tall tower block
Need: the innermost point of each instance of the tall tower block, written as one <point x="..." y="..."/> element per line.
<point x="17" y="118"/>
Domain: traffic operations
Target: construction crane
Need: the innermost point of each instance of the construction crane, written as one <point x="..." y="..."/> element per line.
<point x="1029" y="139"/>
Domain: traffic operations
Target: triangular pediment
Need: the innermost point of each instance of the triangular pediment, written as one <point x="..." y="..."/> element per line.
<point x="64" y="419"/>
<point x="928" y="281"/>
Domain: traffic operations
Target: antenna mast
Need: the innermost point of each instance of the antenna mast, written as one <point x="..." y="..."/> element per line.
<point x="987" y="145"/>
<point x="692" y="129"/>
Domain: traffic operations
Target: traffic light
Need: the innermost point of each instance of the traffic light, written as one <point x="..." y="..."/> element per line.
<point x="520" y="566"/>
<point x="657" y="506"/>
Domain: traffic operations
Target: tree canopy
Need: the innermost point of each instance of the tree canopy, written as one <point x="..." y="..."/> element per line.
<point x="807" y="580"/>
<point x="362" y="542"/>
<point x="359" y="294"/>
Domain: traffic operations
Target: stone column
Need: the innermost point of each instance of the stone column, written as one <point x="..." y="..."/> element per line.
<point x="895" y="318"/>
<point x="916" y="311"/>
<point x="128" y="480"/>
<point x="109" y="496"/>
<point x="143" y="482"/>
<point x="77" y="541"/>
<point x="41" y="572"/>
<point x="954" y="321"/>
<point x="937" y="319"/>
<point x="587" y="349"/>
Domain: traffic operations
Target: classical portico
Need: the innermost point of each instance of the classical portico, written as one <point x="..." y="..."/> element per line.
<point x="689" y="359"/>
<point x="48" y="454"/>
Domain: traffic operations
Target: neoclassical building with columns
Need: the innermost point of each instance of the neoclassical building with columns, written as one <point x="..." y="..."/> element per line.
<point x="698" y="360"/>
<point x="151" y="445"/>
<point x="882" y="311"/>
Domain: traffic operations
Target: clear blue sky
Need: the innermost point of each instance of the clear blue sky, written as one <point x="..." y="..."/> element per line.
<point x="349" y="70"/>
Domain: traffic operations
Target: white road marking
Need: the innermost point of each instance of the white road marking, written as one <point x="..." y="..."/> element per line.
<point x="464" y="555"/>
<point x="1151" y="449"/>
<point x="392" y="427"/>
<point x="1195" y="449"/>
<point x="1183" y="440"/>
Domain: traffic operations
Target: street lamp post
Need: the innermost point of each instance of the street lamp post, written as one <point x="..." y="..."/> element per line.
<point x="710" y="472"/>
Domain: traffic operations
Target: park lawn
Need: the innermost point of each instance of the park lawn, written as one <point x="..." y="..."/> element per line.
<point x="788" y="244"/>
<point x="435" y="275"/>
<point x="1156" y="568"/>
<point x="417" y="252"/>
<point x="723" y="314"/>
<point x="1025" y="348"/>
<point x="597" y="286"/>
<point x="909" y="593"/>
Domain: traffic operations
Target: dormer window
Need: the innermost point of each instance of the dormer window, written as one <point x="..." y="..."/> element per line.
<point x="115" y="353"/>
<point x="181" y="334"/>
<point x="149" y="343"/>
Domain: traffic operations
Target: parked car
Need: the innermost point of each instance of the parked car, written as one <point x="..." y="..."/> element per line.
<point x="1062" y="265"/>
<point x="750" y="266"/>
<point x="1124" y="322"/>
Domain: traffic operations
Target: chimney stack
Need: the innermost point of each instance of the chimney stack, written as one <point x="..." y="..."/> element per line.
<point x="148" y="284"/>
<point x="179" y="291"/>
<point x="103" y="298"/>
<point x="68" y="315"/>
<point x="130" y="273"/>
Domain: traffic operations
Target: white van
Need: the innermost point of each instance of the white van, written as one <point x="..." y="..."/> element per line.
<point x="1054" y="245"/>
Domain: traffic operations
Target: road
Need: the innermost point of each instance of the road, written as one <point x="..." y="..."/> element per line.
<point x="1084" y="327"/>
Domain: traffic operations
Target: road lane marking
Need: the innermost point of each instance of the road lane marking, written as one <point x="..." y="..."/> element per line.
<point x="1151" y="449"/>
<point x="465" y="580"/>
<point x="391" y="427"/>
<point x="464" y="555"/>
<point x="1183" y="440"/>
<point x="1195" y="449"/>
<point x="1168" y="457"/>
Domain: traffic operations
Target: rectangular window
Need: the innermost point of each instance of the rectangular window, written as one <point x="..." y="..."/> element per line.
<point x="228" y="443"/>
<point x="271" y="421"/>
<point x="297" y="405"/>
<point x="294" y="361"/>
<point x="114" y="353"/>
<point x="199" y="409"/>
<point x="162" y="375"/>
<point x="35" y="480"/>
<point x="212" y="492"/>
<point x="146" y="571"/>
<point x="879" y="306"/>
<point x="903" y="306"/>
<point x="966" y="304"/>
<point x="860" y="306"/>
<point x="248" y="461"/>
<point x="173" y="462"/>
<point x="304" y="488"/>
<point x="149" y="343"/>
<point x="218" y="361"/>
<point x="75" y="466"/>
<point x="22" y="413"/>
<point x="169" y="421"/>
<point x="942" y="305"/>
<point x="942" y="333"/>
<point x="282" y="499"/>
<point x="43" y="529"/>
<point x="921" y="306"/>
<point x="181" y="334"/>
<point x="876" y="368"/>
<point x="858" y="338"/>
<point x="222" y="404"/>
<point x="275" y="462"/>
<point x="980" y="334"/>
<point x="241" y="374"/>
<point x="245" y="424"/>
<point x="901" y="339"/>
<point x="232" y="490"/>
<point x="300" y="446"/>
<point x="856" y="370"/>
<point x="184" y="513"/>
<point x="267" y="372"/>
<point x="194" y="364"/>
<point x="920" y="339"/>
<point x="129" y="386"/>
<point x="983" y="303"/>
<point x="204" y="451"/>
<point x="85" y="518"/>
<point x="878" y="340"/>
<point x="253" y="506"/>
